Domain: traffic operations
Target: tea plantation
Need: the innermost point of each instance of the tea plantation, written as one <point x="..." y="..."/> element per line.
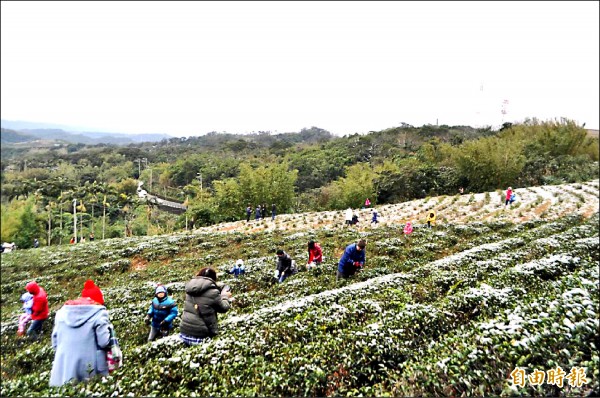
<point x="451" y="310"/>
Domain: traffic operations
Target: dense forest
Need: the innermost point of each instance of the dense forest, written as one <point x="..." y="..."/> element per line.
<point x="218" y="175"/>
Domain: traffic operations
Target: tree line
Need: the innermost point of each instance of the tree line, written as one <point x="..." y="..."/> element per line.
<point x="217" y="175"/>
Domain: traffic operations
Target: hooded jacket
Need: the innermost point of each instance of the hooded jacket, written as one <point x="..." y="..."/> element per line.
<point x="203" y="300"/>
<point x="81" y="332"/>
<point x="39" y="309"/>
<point x="162" y="310"/>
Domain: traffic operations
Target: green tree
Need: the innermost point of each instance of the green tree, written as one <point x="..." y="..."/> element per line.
<point x="352" y="190"/>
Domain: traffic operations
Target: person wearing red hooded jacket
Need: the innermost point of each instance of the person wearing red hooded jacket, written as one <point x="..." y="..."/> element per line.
<point x="39" y="309"/>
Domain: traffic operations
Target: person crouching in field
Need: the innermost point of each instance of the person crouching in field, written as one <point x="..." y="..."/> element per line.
<point x="352" y="260"/>
<point x="161" y="313"/>
<point x="286" y="267"/>
<point x="315" y="254"/>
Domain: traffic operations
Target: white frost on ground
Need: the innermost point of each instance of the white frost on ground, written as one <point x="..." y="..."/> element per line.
<point x="549" y="202"/>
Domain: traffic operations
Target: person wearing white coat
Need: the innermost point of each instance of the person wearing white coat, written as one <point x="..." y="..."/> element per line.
<point x="348" y="216"/>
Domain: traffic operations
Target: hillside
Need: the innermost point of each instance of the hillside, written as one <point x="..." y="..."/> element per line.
<point x="12" y="137"/>
<point x="450" y="310"/>
<point x="542" y="202"/>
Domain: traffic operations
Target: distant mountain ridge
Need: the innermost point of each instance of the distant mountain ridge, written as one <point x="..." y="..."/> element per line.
<point x="29" y="131"/>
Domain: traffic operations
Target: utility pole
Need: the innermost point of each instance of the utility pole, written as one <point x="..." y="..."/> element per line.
<point x="199" y="175"/>
<point x="103" y="216"/>
<point x="139" y="162"/>
<point x="75" y="219"/>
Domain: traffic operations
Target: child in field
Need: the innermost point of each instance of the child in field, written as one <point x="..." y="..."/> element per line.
<point x="238" y="269"/>
<point x="161" y="313"/>
<point x="27" y="299"/>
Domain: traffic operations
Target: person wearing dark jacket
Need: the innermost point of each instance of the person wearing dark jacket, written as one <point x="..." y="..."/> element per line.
<point x="285" y="265"/>
<point x="161" y="313"/>
<point x="352" y="260"/>
<point x="39" y="309"/>
<point x="203" y="300"/>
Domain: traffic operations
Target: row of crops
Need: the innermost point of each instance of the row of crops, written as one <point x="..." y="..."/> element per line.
<point x="447" y="311"/>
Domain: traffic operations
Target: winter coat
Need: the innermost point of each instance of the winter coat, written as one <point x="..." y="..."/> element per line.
<point x="284" y="265"/>
<point x="350" y="256"/>
<point x="237" y="270"/>
<point x="81" y="332"/>
<point x="39" y="309"/>
<point x="508" y="194"/>
<point x="165" y="310"/>
<point x="315" y="254"/>
<point x="203" y="300"/>
<point x="431" y="216"/>
<point x="27" y="299"/>
<point x="349" y="214"/>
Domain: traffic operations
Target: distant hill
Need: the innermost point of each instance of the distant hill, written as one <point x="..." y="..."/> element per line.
<point x="75" y="135"/>
<point x="13" y="137"/>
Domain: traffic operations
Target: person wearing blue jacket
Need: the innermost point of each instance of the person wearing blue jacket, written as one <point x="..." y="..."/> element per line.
<point x="352" y="260"/>
<point x="161" y="313"/>
<point x="79" y="338"/>
<point x="238" y="269"/>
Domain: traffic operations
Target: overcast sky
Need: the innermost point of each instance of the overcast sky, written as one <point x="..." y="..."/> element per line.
<point x="187" y="68"/>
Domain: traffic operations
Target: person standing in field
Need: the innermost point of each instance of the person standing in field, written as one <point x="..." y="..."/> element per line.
<point x="80" y="338"/>
<point x="160" y="315"/>
<point x="374" y="220"/>
<point x="204" y="299"/>
<point x="257" y="214"/>
<point x="508" y="196"/>
<point x="39" y="309"/>
<point x="430" y="218"/>
<point x="348" y="216"/>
